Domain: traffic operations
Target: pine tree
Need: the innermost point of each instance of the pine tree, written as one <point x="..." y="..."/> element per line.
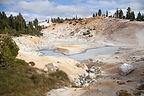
<point x="99" y="12"/>
<point x="96" y="14"/>
<point x="106" y="13"/>
<point x="35" y="22"/>
<point x="143" y="17"/>
<point x="0" y="15"/>
<point x="66" y="19"/>
<point x="52" y="20"/>
<point x="139" y="17"/>
<point x="29" y="30"/>
<point x="3" y="21"/>
<point x="31" y="25"/>
<point x="120" y="14"/>
<point x="58" y="20"/>
<point x="128" y="13"/>
<point x="76" y="17"/>
<point x="21" y="19"/>
<point x="117" y="13"/>
<point x="3" y="15"/>
<point x="17" y="25"/>
<point x="20" y="22"/>
<point x="6" y="30"/>
<point x="11" y="23"/>
<point x="132" y="16"/>
<point x="61" y="20"/>
<point x="48" y="21"/>
<point x="93" y="15"/>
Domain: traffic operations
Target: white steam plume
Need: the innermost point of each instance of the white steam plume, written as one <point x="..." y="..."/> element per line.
<point x="140" y="38"/>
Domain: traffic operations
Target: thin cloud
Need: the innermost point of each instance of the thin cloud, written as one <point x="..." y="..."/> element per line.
<point x="7" y="2"/>
<point x="45" y="7"/>
<point x="137" y="4"/>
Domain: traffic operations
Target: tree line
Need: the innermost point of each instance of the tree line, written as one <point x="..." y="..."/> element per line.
<point x="120" y="14"/>
<point x="16" y="25"/>
<point x="61" y="20"/>
<point x="57" y="20"/>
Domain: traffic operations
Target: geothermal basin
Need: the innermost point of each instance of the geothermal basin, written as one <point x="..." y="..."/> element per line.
<point x="88" y="53"/>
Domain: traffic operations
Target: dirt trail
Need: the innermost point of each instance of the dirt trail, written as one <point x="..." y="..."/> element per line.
<point x="67" y="92"/>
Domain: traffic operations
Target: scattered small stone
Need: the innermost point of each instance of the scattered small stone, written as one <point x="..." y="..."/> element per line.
<point x="138" y="93"/>
<point x="141" y="87"/>
<point x="80" y="65"/>
<point x="129" y="81"/>
<point x="142" y="74"/>
<point x="58" y="61"/>
<point x="95" y="70"/>
<point x="90" y="63"/>
<point x="121" y="82"/>
<point x="89" y="77"/>
<point x="116" y="53"/>
<point x="136" y="58"/>
<point x="90" y="59"/>
<point x="123" y="93"/>
<point x="142" y="80"/>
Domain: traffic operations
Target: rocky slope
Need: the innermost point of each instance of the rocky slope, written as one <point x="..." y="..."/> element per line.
<point x="94" y="31"/>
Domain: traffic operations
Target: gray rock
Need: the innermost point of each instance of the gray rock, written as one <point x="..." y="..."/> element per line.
<point x="89" y="77"/>
<point x="86" y="74"/>
<point x="92" y="75"/>
<point x="95" y="70"/>
<point x="51" y="67"/>
<point x="125" y="69"/>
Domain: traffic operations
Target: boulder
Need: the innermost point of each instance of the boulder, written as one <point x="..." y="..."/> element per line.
<point x="95" y="70"/>
<point x="125" y="69"/>
<point x="45" y="69"/>
<point x="31" y="63"/>
<point x="80" y="65"/>
<point x="92" y="75"/>
<point x="51" y="67"/>
<point x="86" y="74"/>
<point x="77" y="82"/>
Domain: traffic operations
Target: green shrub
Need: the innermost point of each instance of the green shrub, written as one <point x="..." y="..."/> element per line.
<point x="25" y="81"/>
<point x="19" y="62"/>
<point x="6" y="57"/>
<point x="59" y="75"/>
<point x="11" y="45"/>
<point x="19" y="79"/>
<point x="8" y="51"/>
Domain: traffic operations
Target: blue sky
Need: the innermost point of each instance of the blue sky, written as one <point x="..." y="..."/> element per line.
<point x="44" y="9"/>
